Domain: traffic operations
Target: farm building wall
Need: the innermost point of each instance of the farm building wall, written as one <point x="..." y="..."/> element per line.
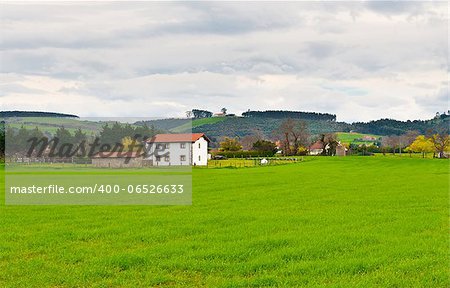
<point x="120" y="162"/>
<point x="340" y="151"/>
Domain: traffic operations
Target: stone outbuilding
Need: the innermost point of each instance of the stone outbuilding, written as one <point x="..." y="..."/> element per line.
<point x="120" y="160"/>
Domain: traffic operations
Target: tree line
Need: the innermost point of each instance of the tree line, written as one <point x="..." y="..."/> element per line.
<point x="396" y="127"/>
<point x="6" y="114"/>
<point x="64" y="143"/>
<point x="291" y="115"/>
<point x="435" y="141"/>
<point x="293" y="137"/>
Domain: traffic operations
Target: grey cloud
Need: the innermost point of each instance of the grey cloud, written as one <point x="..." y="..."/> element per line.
<point x="7" y="89"/>
<point x="206" y="52"/>
<point x="395" y="7"/>
<point x="320" y="49"/>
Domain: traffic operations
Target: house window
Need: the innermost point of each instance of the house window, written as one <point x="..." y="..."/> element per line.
<point x="158" y="158"/>
<point x="199" y="158"/>
<point x="167" y="159"/>
<point x="182" y="157"/>
<point x="182" y="145"/>
<point x="199" y="145"/>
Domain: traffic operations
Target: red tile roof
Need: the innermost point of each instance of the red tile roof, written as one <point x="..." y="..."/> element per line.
<point x="123" y="154"/>
<point x="317" y="145"/>
<point x="168" y="138"/>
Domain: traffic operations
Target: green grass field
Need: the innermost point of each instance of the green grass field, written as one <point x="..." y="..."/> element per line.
<point x="345" y="137"/>
<point x="323" y="222"/>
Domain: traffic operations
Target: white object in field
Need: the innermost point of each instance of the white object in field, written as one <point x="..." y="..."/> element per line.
<point x="264" y="161"/>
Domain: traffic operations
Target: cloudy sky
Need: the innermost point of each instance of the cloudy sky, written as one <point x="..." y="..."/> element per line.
<point x="359" y="60"/>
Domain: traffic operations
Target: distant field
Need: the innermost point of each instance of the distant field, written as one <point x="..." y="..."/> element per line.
<point x="346" y="137"/>
<point x="323" y="222"/>
<point x="195" y="123"/>
<point x="50" y="124"/>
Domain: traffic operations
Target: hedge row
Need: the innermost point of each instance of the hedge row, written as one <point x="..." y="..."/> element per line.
<point x="243" y="154"/>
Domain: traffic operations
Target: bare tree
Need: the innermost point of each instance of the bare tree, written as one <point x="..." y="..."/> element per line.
<point x="300" y="135"/>
<point x="441" y="141"/>
<point x="293" y="134"/>
<point x="248" y="140"/>
<point x="409" y="137"/>
<point x="385" y="144"/>
<point x="391" y="142"/>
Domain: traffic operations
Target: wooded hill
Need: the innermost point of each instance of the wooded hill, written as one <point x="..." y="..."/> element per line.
<point x="8" y="114"/>
<point x="241" y="126"/>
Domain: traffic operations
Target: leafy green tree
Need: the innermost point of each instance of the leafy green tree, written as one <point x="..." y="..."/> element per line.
<point x="64" y="136"/>
<point x="79" y="136"/>
<point x="198" y="113"/>
<point x="21" y="140"/>
<point x="230" y="144"/>
<point x="265" y="146"/>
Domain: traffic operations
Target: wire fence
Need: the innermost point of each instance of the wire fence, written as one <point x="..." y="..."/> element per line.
<point x="252" y="162"/>
<point x="48" y="160"/>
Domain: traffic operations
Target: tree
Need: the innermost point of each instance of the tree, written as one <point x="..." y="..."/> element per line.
<point x="280" y="114"/>
<point x="294" y="134"/>
<point x="188" y="114"/>
<point x="265" y="146"/>
<point x="79" y="136"/>
<point x="409" y="137"/>
<point x="391" y="143"/>
<point x="329" y="142"/>
<point x="441" y="142"/>
<point x="131" y="144"/>
<point x="224" y="110"/>
<point x="230" y="144"/>
<point x="421" y="145"/>
<point x="20" y="140"/>
<point x="201" y="113"/>
<point x="248" y="140"/>
<point x="64" y="136"/>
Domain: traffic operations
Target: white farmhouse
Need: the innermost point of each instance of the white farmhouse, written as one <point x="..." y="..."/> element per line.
<point x="178" y="149"/>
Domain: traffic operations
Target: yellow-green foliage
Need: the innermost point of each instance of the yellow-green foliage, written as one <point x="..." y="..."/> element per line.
<point x="422" y="145"/>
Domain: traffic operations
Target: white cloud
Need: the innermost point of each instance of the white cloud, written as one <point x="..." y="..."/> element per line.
<point x="361" y="61"/>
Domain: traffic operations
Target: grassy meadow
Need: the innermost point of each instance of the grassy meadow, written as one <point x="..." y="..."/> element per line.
<point x="354" y="138"/>
<point x="51" y="124"/>
<point x="322" y="222"/>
